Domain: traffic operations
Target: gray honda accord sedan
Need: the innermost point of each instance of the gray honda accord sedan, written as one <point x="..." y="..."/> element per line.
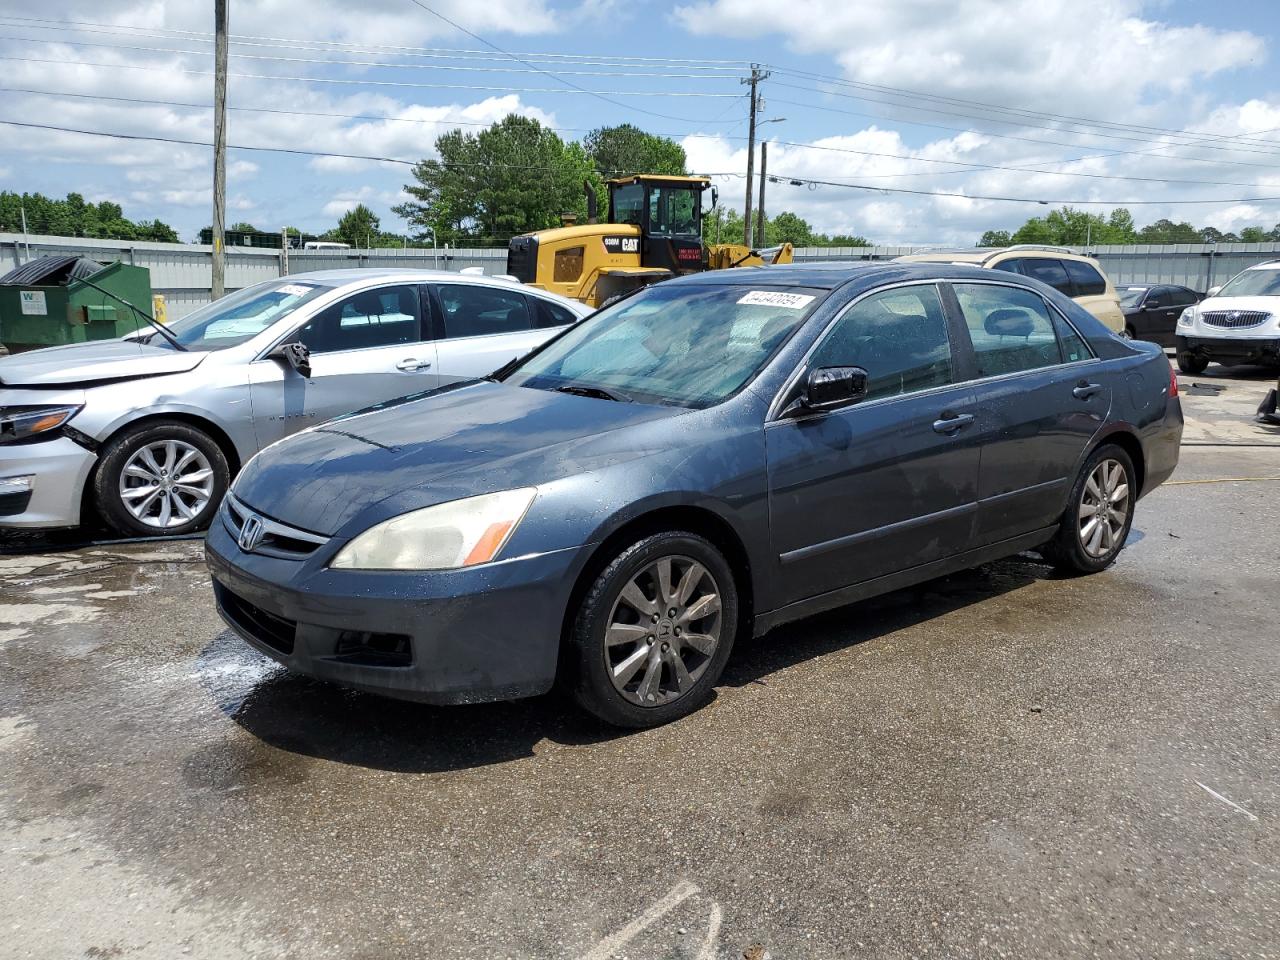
<point x="708" y="458"/>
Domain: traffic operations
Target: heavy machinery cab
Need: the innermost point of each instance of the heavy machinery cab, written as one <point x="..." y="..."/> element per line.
<point x="654" y="231"/>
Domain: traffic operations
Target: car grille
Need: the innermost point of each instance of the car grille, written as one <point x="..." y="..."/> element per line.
<point x="278" y="633"/>
<point x="276" y="540"/>
<point x="1235" y="319"/>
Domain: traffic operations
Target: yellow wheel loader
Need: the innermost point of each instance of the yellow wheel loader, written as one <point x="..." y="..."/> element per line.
<point x="654" y="231"/>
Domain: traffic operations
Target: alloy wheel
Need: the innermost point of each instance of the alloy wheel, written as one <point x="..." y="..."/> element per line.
<point x="167" y="483"/>
<point x="663" y="631"/>
<point x="1104" y="508"/>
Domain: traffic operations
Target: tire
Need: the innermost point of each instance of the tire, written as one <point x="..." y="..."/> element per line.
<point x="641" y="643"/>
<point x="164" y="508"/>
<point x="1128" y="333"/>
<point x="1076" y="548"/>
<point x="1191" y="364"/>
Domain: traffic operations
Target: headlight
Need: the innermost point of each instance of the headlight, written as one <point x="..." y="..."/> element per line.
<point x="19" y="423"/>
<point x="1187" y="317"/>
<point x="461" y="533"/>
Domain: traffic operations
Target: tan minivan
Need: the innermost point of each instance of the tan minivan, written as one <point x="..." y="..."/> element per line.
<point x="1079" y="277"/>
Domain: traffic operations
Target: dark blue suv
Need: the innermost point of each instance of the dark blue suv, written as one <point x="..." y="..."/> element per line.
<point x="712" y="456"/>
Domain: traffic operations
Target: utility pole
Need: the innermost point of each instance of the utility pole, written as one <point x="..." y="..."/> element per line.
<point x="756" y="76"/>
<point x="764" y="178"/>
<point x="218" y="284"/>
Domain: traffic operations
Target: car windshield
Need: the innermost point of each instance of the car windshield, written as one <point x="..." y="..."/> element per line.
<point x="691" y="346"/>
<point x="1131" y="296"/>
<point x="1253" y="283"/>
<point x="242" y="315"/>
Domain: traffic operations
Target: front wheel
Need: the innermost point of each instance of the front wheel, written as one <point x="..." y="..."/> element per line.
<point x="1098" y="515"/>
<point x="160" y="479"/>
<point x="652" y="635"/>
<point x="1189" y="363"/>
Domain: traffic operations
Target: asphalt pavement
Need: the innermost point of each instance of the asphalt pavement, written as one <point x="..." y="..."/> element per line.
<point x="1001" y="763"/>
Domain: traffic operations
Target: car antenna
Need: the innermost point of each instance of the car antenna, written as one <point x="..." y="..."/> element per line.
<point x="160" y="327"/>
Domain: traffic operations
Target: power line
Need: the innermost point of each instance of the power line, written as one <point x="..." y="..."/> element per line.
<point x="251" y="39"/>
<point x="969" y="166"/>
<point x="374" y="63"/>
<point x="975" y="196"/>
<point x="1018" y="111"/>
<point x="569" y="83"/>
<point x="398" y="83"/>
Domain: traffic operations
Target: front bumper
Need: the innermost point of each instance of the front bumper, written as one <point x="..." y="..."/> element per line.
<point x="1235" y="349"/>
<point x="459" y="636"/>
<point x="59" y="469"/>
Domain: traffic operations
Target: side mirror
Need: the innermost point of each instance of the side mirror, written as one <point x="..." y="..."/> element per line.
<point x="296" y="355"/>
<point x="827" y="388"/>
<point x="1212" y="291"/>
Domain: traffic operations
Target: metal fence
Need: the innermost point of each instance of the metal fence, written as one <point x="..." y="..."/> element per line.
<point x="181" y="272"/>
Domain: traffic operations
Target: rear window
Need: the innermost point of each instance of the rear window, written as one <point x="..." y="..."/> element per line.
<point x="1089" y="282"/>
<point x="1047" y="271"/>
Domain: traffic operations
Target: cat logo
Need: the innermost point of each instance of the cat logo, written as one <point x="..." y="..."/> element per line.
<point x="621" y="244"/>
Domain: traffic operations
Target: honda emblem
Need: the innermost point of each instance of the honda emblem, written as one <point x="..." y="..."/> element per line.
<point x="251" y="533"/>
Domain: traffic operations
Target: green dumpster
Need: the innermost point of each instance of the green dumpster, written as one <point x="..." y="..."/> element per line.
<point x="46" y="302"/>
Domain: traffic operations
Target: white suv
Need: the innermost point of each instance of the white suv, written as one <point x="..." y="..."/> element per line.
<point x="1238" y="322"/>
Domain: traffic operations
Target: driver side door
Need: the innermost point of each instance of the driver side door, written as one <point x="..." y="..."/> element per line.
<point x="365" y="349"/>
<point x="890" y="482"/>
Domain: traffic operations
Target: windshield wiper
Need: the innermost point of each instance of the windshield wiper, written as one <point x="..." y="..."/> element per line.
<point x="600" y="393"/>
<point x="500" y="374"/>
<point x="160" y="327"/>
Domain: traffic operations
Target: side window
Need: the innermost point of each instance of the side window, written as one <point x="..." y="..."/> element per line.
<point x="548" y="314"/>
<point x="898" y="336"/>
<point x="1048" y="271"/>
<point x="1009" y="266"/>
<point x="474" y="310"/>
<point x="567" y="266"/>
<point x="1011" y="329"/>
<point x="1073" y="346"/>
<point x="371" y="318"/>
<point x="1158" y="299"/>
<point x="1089" y="282"/>
<point x="1181" y="296"/>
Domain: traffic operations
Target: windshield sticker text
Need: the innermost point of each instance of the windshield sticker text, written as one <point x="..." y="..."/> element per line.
<point x="771" y="298"/>
<point x="295" y="290"/>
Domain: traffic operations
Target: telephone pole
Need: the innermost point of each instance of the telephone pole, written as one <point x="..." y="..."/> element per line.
<point x="755" y="106"/>
<point x="761" y="236"/>
<point x="219" y="147"/>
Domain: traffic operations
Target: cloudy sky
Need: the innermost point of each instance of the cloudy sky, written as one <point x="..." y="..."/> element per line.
<point x="1047" y="100"/>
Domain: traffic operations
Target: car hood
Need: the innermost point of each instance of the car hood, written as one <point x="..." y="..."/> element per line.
<point x="452" y="443"/>
<point x="86" y="363"/>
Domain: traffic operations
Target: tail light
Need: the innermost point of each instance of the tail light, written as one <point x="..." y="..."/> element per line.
<point x="1173" y="381"/>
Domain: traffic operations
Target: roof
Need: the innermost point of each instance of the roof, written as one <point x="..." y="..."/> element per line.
<point x="661" y="178"/>
<point x="828" y="276"/>
<point x="989" y="254"/>
<point x="350" y="275"/>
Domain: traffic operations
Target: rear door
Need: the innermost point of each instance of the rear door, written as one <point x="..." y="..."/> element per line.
<point x="479" y="327"/>
<point x="1041" y="397"/>
<point x="888" y="483"/>
<point x="365" y="349"/>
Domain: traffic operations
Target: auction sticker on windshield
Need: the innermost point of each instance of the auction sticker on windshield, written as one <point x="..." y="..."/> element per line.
<point x="771" y="298"/>
<point x="295" y="290"/>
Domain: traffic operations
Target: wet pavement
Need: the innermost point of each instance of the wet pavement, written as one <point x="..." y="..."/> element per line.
<point x="1001" y="763"/>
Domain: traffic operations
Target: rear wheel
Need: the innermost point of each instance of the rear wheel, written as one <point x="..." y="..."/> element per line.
<point x="1191" y="364"/>
<point x="163" y="478"/>
<point x="1098" y="515"/>
<point x="653" y="633"/>
<point x="1129" y="333"/>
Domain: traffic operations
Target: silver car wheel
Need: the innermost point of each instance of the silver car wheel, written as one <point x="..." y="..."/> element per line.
<point x="1104" y="508"/>
<point x="663" y="631"/>
<point x="166" y="484"/>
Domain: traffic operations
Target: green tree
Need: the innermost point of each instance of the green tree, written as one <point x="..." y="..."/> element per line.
<point x="849" y="240"/>
<point x="73" y="217"/>
<point x="1166" y="231"/>
<point x="514" y="177"/>
<point x="625" y="149"/>
<point x="1214" y="235"/>
<point x="787" y="227"/>
<point x="1120" y="227"/>
<point x="995" y="238"/>
<point x="359" y="227"/>
<point x="243" y="227"/>
<point x="1254" y="235"/>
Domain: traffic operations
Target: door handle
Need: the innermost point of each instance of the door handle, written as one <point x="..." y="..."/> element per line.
<point x="412" y="364"/>
<point x="949" y="425"/>
<point x="1084" y="390"/>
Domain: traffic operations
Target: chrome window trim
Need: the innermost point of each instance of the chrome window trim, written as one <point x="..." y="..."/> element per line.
<point x="775" y="407"/>
<point x="323" y="304"/>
